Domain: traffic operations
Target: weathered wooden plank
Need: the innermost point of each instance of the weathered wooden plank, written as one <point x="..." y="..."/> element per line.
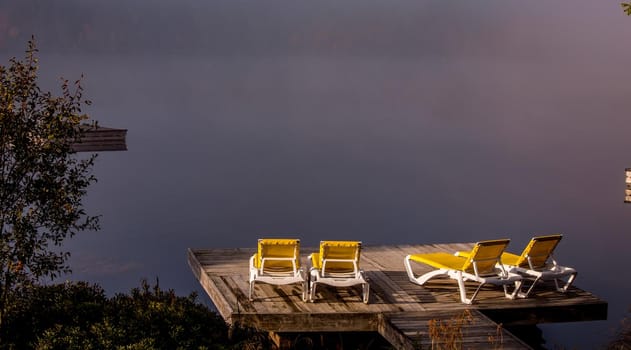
<point x="220" y="302"/>
<point x="237" y="296"/>
<point x="95" y="139"/>
<point x="392" y="294"/>
<point x="393" y="334"/>
<point x="586" y="311"/>
<point x="311" y="322"/>
<point x="478" y="332"/>
<point x="232" y="299"/>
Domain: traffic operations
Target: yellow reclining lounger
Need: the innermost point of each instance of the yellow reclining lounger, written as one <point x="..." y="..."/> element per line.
<point x="277" y="261"/>
<point x="537" y="263"/>
<point x="482" y="266"/>
<point x="337" y="264"/>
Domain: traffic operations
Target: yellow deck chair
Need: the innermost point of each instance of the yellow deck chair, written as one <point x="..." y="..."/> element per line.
<point x="277" y="261"/>
<point x="337" y="264"/>
<point x="537" y="263"/>
<point x="482" y="266"/>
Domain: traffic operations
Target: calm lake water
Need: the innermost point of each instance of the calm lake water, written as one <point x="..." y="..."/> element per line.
<point x="223" y="151"/>
<point x="411" y="122"/>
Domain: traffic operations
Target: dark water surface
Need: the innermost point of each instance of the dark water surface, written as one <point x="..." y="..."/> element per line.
<point x="441" y="125"/>
<point x="223" y="151"/>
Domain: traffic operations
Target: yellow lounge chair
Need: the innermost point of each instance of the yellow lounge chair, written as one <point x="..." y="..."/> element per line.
<point x="537" y="263"/>
<point x="482" y="266"/>
<point x="277" y="261"/>
<point x="337" y="264"/>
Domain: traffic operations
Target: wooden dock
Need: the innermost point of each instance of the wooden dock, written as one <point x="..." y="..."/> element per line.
<point x="400" y="311"/>
<point x="99" y="139"/>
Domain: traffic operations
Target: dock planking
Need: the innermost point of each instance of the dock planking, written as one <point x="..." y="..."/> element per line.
<point x="399" y="310"/>
<point x="99" y="139"/>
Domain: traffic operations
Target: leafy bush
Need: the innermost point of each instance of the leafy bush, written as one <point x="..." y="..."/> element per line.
<point x="78" y="315"/>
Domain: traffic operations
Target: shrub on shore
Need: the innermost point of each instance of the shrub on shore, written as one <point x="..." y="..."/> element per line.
<point x="78" y="315"/>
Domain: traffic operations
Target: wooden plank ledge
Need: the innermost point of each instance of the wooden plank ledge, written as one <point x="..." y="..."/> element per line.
<point x="98" y="139"/>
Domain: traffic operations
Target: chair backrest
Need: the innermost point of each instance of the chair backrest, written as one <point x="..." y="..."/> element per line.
<point x="280" y="254"/>
<point x="538" y="250"/>
<point x="485" y="255"/>
<point x="340" y="256"/>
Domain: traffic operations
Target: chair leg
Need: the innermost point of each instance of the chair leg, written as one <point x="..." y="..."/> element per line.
<point x="517" y="289"/>
<point x="305" y="290"/>
<point x="475" y="294"/>
<point x="423" y="278"/>
<point x="313" y="280"/>
<point x="251" y="290"/>
<point x="515" y="292"/>
<point x="429" y="275"/>
<point x="312" y="290"/>
<point x="365" y="292"/>
<point x="463" y="289"/>
<point x="532" y="286"/>
<point x="570" y="281"/>
<point x="567" y="285"/>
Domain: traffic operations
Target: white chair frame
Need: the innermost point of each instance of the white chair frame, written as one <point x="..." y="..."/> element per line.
<point x="297" y="275"/>
<point x="552" y="271"/>
<point x="501" y="277"/>
<point x="346" y="279"/>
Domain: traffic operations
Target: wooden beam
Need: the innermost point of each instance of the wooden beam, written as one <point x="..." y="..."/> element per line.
<point x="99" y="139"/>
<point x="526" y="316"/>
<point x="306" y="322"/>
<point x="394" y="335"/>
<point x="413" y="330"/>
<point x="218" y="299"/>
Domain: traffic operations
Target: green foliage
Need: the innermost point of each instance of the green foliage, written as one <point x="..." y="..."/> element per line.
<point x="80" y="316"/>
<point x="42" y="183"/>
<point x="172" y="322"/>
<point x="626" y="7"/>
<point x="45" y="309"/>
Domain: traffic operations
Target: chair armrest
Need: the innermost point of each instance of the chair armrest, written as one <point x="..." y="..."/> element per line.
<point x="252" y="261"/>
